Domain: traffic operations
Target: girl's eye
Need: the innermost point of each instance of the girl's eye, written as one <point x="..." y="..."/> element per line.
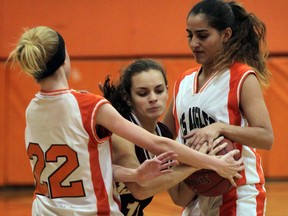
<point x="159" y="91"/>
<point x="189" y="34"/>
<point x="142" y="93"/>
<point x="203" y="36"/>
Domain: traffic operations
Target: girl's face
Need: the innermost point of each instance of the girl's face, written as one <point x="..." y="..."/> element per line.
<point x="149" y="95"/>
<point x="204" y="41"/>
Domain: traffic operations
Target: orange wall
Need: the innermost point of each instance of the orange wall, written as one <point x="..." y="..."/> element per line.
<point x="117" y="29"/>
<point x="126" y="27"/>
<point x="277" y="102"/>
<point x="2" y="124"/>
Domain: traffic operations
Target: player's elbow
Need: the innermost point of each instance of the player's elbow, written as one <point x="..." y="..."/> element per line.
<point x="140" y="194"/>
<point x="181" y="197"/>
<point x="138" y="191"/>
<point x="269" y="142"/>
<point x="267" y="139"/>
<point x="179" y="201"/>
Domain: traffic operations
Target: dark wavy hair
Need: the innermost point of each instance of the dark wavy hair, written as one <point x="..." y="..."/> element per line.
<point x="248" y="42"/>
<point x="119" y="94"/>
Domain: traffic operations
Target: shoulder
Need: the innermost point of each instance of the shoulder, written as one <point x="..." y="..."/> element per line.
<point x="86" y="94"/>
<point x="89" y="98"/>
<point x="239" y="72"/>
<point x="187" y="73"/>
<point x="240" y="69"/>
<point x="185" y="77"/>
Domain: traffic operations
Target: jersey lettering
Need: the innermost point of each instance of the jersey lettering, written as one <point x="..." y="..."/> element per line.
<point x="197" y="118"/>
<point x="56" y="188"/>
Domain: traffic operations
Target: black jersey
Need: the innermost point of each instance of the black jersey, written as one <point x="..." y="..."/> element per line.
<point x="130" y="206"/>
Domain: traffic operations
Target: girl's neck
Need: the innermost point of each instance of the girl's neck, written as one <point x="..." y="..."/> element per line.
<point x="205" y="74"/>
<point x="207" y="71"/>
<point x="149" y="126"/>
<point x="54" y="82"/>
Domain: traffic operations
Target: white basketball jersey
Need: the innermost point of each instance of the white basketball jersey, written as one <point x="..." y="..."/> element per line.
<point x="217" y="101"/>
<point x="70" y="159"/>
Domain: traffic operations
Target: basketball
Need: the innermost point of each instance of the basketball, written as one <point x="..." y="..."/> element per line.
<point x="209" y="183"/>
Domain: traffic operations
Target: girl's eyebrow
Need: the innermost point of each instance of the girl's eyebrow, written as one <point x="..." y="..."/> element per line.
<point x="201" y="30"/>
<point x="198" y="31"/>
<point x="142" y="87"/>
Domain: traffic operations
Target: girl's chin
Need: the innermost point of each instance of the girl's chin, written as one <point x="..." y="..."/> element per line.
<point x="154" y="116"/>
<point x="199" y="60"/>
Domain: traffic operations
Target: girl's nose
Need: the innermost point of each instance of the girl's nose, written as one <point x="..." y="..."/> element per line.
<point x="194" y="42"/>
<point x="153" y="97"/>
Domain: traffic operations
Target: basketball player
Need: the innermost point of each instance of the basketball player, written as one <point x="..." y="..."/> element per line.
<point x="68" y="135"/>
<point x="141" y="97"/>
<point x="222" y="97"/>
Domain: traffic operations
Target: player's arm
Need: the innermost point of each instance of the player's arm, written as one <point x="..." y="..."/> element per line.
<point x="146" y="171"/>
<point x="226" y="166"/>
<point x="161" y="183"/>
<point x="259" y="134"/>
<point x="181" y="195"/>
<point x="126" y="167"/>
<point x="124" y="155"/>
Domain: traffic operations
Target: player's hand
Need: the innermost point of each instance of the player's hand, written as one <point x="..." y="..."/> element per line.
<point x="156" y="166"/>
<point x="205" y="150"/>
<point x="198" y="136"/>
<point x="215" y="149"/>
<point x="231" y="167"/>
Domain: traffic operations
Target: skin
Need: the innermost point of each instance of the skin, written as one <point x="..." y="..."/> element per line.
<point x="148" y="98"/>
<point x="205" y="42"/>
<point x="146" y="171"/>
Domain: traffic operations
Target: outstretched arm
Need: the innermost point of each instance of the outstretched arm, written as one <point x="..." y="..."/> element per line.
<point x="146" y="171"/>
<point x="124" y="155"/>
<point x="225" y="166"/>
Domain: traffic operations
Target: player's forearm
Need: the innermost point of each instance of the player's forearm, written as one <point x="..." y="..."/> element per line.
<point x="255" y="137"/>
<point x="161" y="183"/>
<point x="123" y="174"/>
<point x="194" y="158"/>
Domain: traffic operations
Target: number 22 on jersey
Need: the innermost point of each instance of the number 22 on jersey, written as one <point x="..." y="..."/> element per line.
<point x="54" y="187"/>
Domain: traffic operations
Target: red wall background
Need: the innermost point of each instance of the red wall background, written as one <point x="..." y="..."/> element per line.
<point x="102" y="37"/>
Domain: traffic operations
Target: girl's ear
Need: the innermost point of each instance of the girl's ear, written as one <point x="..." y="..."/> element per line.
<point x="128" y="103"/>
<point x="227" y="34"/>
